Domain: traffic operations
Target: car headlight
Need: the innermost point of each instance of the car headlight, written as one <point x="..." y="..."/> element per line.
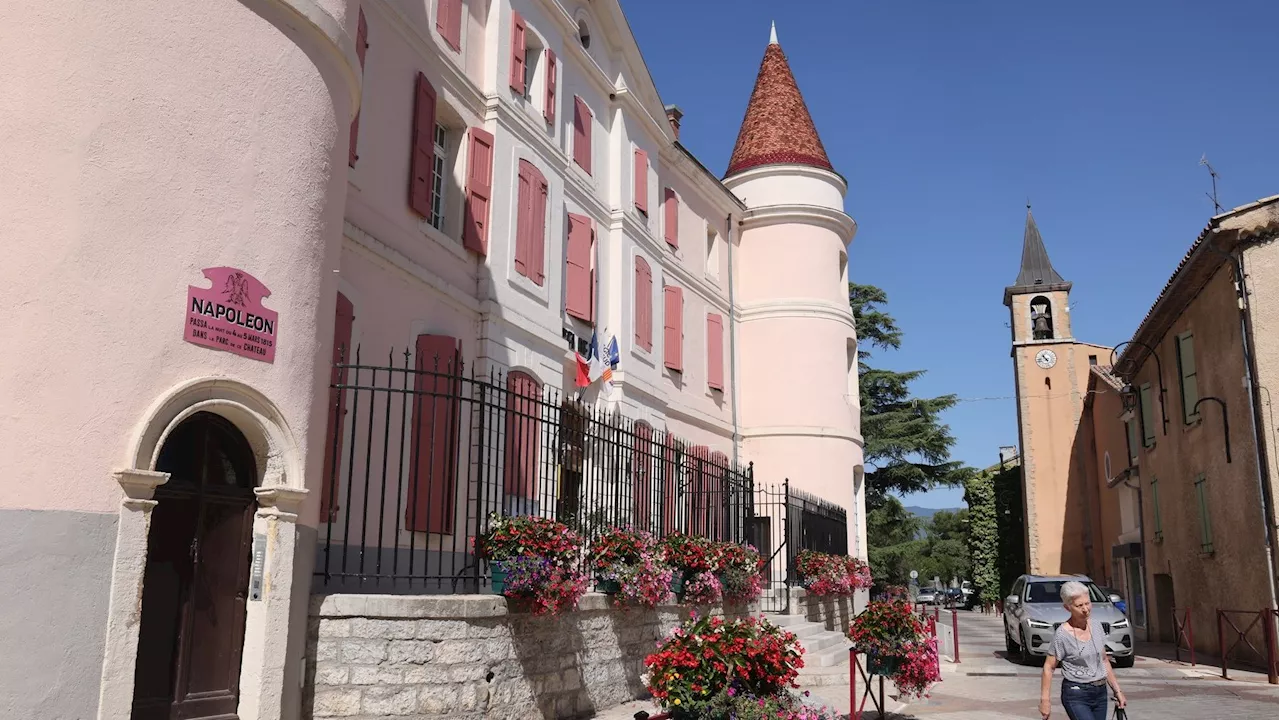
<point x="1039" y="624"/>
<point x="1120" y="624"/>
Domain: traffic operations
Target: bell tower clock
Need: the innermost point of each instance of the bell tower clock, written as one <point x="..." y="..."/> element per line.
<point x="1050" y="376"/>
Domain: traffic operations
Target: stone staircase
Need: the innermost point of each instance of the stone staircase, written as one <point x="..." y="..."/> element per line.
<point x="826" y="652"/>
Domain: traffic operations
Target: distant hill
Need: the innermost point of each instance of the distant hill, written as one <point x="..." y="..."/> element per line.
<point x="925" y="513"/>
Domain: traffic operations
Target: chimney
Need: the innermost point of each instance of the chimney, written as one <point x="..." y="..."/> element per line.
<point x="674" y="113"/>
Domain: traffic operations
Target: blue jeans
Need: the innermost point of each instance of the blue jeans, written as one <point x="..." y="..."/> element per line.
<point x="1083" y="701"/>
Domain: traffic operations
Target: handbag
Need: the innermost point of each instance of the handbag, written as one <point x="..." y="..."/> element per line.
<point x="1121" y="714"/>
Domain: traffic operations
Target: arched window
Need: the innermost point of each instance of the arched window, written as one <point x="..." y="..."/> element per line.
<point x="1041" y="318"/>
<point x="524" y="420"/>
<point x="584" y="34"/>
<point x="641" y="474"/>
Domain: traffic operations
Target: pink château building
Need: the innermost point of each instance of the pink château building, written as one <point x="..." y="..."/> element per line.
<point x="210" y="204"/>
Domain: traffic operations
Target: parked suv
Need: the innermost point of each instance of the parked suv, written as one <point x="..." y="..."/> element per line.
<point x="1033" y="611"/>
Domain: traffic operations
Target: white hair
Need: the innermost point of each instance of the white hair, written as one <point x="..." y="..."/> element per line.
<point x="1072" y="590"/>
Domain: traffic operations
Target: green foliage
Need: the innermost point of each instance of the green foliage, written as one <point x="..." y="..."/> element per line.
<point x="1012" y="559"/>
<point x="907" y="445"/>
<point x="895" y="550"/>
<point x="984" y="538"/>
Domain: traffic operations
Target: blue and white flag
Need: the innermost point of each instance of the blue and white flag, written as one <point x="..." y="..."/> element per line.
<point x="611" y="352"/>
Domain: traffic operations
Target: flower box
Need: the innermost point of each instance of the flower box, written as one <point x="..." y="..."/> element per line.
<point x="886" y="665"/>
<point x="608" y="587"/>
<point x="498" y="577"/>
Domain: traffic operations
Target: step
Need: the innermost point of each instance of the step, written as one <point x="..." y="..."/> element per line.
<point x="825" y="641"/>
<point x="824" y="675"/>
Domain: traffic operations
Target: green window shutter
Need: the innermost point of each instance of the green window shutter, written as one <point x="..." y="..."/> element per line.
<point x="1148" y="422"/>
<point x="1155" y="508"/>
<point x="1187" y="377"/>
<point x="1131" y="427"/>
<point x="1206" y="526"/>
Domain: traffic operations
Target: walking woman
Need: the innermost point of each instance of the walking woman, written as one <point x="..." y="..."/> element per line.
<point x="1079" y="647"/>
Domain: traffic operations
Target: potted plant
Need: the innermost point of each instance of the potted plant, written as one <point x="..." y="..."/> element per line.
<point x="826" y="575"/>
<point x="646" y="583"/>
<point x="740" y="568"/>
<point x="688" y="555"/>
<point x="613" y="552"/>
<point x="534" y="559"/>
<point x="897" y="645"/>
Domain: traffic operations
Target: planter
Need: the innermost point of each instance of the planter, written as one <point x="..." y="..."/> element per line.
<point x="608" y="587"/>
<point x="677" y="583"/>
<point x="883" y="664"/>
<point x="498" y="578"/>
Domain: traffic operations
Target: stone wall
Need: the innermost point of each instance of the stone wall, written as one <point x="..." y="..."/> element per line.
<point x="468" y="657"/>
<point x="835" y="613"/>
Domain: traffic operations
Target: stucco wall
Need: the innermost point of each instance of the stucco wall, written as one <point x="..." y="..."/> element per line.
<point x="471" y="656"/>
<point x="1263" y="278"/>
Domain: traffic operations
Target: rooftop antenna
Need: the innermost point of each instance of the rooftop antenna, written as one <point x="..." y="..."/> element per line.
<point x="1213" y="176"/>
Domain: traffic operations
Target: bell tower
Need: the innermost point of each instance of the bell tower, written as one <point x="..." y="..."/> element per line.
<point x="1051" y="371"/>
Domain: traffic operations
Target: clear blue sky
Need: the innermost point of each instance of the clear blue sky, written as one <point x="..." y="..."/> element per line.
<point x="946" y="117"/>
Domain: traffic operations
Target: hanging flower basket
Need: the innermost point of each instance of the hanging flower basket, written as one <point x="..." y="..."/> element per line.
<point x="677" y="583"/>
<point x="608" y="587"/>
<point x="886" y="665"/>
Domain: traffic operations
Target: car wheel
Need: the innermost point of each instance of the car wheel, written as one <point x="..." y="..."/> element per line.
<point x="1025" y="650"/>
<point x="1010" y="647"/>
<point x="1125" y="661"/>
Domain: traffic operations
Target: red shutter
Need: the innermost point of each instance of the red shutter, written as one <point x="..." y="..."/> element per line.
<point x="362" y="44"/>
<point x="524" y="419"/>
<point x="577" y="268"/>
<point x="698" y="490"/>
<point x="582" y="134"/>
<point x="422" y="162"/>
<point x="433" y="445"/>
<point x="524" y="213"/>
<point x="449" y="22"/>
<point x="531" y="223"/>
<point x="475" y="236"/>
<point x="644" y="304"/>
<point x="641" y="462"/>
<point x="717" y="470"/>
<point x="549" y="108"/>
<point x="670" y="484"/>
<point x="344" y="317"/>
<point x="671" y="211"/>
<point x="538" y="234"/>
<point x="672" y="327"/>
<point x="715" y="351"/>
<point x="517" y="52"/>
<point x="642" y="181"/>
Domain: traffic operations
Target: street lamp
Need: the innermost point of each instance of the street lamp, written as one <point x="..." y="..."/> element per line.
<point x="1164" y="417"/>
<point x="1226" y="427"/>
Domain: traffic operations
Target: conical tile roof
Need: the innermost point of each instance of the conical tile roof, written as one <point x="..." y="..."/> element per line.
<point x="1036" y="273"/>
<point x="777" y="128"/>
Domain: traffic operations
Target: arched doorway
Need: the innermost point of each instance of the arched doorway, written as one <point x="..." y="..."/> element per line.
<point x="197" y="575"/>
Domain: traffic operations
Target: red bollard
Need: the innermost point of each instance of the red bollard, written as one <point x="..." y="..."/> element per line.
<point x="955" y="633"/>
<point x="854" y="713"/>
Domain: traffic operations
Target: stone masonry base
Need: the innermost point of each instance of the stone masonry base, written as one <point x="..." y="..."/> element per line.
<point x="468" y="657"/>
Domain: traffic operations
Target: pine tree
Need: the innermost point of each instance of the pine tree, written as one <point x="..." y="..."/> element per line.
<point x="906" y="443"/>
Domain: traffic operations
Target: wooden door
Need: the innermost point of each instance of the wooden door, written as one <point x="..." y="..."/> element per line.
<point x="197" y="575"/>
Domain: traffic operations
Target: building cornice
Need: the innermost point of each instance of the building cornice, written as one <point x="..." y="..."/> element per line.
<point x="787" y="170"/>
<point x="822" y="431"/>
<point x="834" y="220"/>
<point x="796" y="308"/>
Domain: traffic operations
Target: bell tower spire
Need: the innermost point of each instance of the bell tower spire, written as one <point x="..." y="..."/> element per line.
<point x="1037" y="299"/>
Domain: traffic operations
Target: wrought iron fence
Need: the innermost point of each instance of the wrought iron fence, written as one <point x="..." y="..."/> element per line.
<point x="421" y="453"/>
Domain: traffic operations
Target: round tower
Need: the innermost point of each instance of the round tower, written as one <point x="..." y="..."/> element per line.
<point x="798" y="351"/>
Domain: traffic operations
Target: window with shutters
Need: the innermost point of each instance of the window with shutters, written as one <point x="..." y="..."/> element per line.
<point x="715" y="351"/>
<point x="434" y="435"/>
<point x="1148" y="419"/>
<point x="673" y="328"/>
<point x="642" y="474"/>
<point x="533" y="61"/>
<point x="644" y="304"/>
<point x="440" y="175"/>
<point x="549" y="94"/>
<point x="531" y="222"/>
<point x="479" y="190"/>
<point x="344" y="320"/>
<point x="582" y="126"/>
<point x="670" y="217"/>
<point x="713" y="252"/>
<point x="1187" y="387"/>
<point x="579" y="269"/>
<point x="516" y="71"/>
<point x="422" y="151"/>
<point x="449" y="15"/>
<point x="1157" y="526"/>
<point x="1131" y="440"/>
<point x="523" y="426"/>
<point x="1206" y="522"/>
<point x="697" y="496"/>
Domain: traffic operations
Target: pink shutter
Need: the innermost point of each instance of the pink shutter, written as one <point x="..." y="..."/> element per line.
<point x="642" y="181"/>
<point x="672" y="327"/>
<point x="517" y="52"/>
<point x="591" y="301"/>
<point x="433" y="442"/>
<point x="524" y="419"/>
<point x="538" y="234"/>
<point x="715" y="352"/>
<point x="524" y="216"/>
<point x="670" y="484"/>
<point x="577" y="268"/>
<point x="717" y="471"/>
<point x="671" y="212"/>
<point x="422" y="162"/>
<point x="362" y="44"/>
<point x="549" y="107"/>
<point x="582" y="134"/>
<point x="696" y="505"/>
<point x="475" y="236"/>
<point x="641" y="462"/>
<point x="344" y="318"/>
<point x="449" y="22"/>
<point x="644" y="304"/>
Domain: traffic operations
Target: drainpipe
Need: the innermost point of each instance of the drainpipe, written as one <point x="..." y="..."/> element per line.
<point x="1259" y="440"/>
<point x="733" y="338"/>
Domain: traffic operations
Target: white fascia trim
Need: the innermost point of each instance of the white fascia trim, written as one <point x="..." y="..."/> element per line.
<point x="659" y="132"/>
<point x="712" y="192"/>
<point x="787" y="170"/>
<point x="358" y="239"/>
<point x="447" y="74"/>
<point x="818" y="431"/>
<point x="834" y="220"/>
<point x="796" y="308"/>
